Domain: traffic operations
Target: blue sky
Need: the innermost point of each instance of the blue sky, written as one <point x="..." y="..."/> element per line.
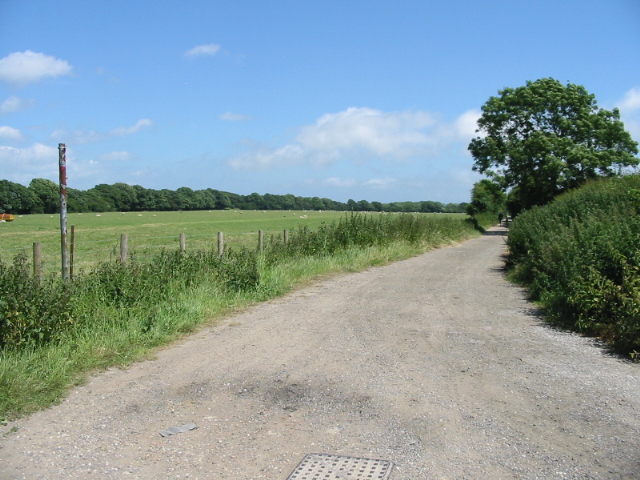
<point x="373" y="100"/>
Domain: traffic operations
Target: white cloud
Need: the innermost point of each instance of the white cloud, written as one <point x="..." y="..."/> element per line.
<point x="381" y="183"/>
<point x="24" y="164"/>
<point x="116" y="157"/>
<point x="361" y="134"/>
<point x="368" y="130"/>
<point x="234" y="117"/>
<point x="35" y="153"/>
<point x="22" y="68"/>
<point x="92" y="136"/>
<point x="14" y="104"/>
<point x="78" y="137"/>
<point x="261" y="158"/>
<point x="631" y="101"/>
<point x="338" y="182"/>
<point x="203" y="50"/>
<point x="629" y="108"/>
<point x="466" y="125"/>
<point x="11" y="134"/>
<point x="140" y="124"/>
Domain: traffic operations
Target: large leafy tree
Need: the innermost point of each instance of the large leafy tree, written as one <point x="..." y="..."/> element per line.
<point x="16" y="198"/>
<point x="486" y="197"/>
<point x="544" y="138"/>
<point x="48" y="194"/>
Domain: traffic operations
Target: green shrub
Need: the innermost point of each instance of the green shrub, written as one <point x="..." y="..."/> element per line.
<point x="31" y="312"/>
<point x="580" y="257"/>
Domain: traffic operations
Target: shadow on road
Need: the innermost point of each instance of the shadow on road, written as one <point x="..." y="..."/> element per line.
<point x="501" y="232"/>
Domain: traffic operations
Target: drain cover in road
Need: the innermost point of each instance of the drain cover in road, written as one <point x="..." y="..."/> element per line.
<point x="321" y="466"/>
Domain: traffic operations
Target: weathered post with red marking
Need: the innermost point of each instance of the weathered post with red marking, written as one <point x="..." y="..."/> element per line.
<point x="62" y="157"/>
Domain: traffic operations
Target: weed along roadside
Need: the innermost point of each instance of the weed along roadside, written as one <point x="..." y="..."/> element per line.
<point x="54" y="333"/>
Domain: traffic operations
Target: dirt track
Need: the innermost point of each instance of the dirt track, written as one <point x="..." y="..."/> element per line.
<point x="436" y="363"/>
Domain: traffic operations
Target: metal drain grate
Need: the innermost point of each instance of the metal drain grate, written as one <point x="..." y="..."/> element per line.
<point x="321" y="466"/>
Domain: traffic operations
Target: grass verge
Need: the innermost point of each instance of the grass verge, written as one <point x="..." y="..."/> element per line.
<point x="118" y="314"/>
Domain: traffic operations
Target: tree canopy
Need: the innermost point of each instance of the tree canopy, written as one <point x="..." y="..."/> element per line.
<point x="544" y="138"/>
<point x="16" y="198"/>
<point x="486" y="197"/>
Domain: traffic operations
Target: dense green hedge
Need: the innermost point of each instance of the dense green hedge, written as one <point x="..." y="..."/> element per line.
<point x="580" y="256"/>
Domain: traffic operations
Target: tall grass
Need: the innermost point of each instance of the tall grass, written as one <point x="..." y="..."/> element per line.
<point x="53" y="333"/>
<point x="580" y="257"/>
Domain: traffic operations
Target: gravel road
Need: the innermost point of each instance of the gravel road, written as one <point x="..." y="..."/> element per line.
<point x="436" y="364"/>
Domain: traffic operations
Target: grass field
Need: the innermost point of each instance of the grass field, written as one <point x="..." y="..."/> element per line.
<point x="97" y="236"/>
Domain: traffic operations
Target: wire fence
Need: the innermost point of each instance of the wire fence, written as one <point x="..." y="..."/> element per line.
<point x="46" y="258"/>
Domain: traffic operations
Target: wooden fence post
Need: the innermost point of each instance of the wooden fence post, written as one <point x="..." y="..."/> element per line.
<point x="37" y="261"/>
<point x="62" y="162"/>
<point x="220" y="244"/>
<point x="124" y="252"/>
<point x="72" y="250"/>
<point x="183" y="243"/>
<point x="286" y="237"/>
<point x="260" y="240"/>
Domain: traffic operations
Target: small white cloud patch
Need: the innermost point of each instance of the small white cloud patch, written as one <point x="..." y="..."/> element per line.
<point x="338" y="182"/>
<point x="116" y="157"/>
<point x="203" y="50"/>
<point x="629" y="108"/>
<point x="381" y="183"/>
<point x="140" y="124"/>
<point x="11" y="134"/>
<point x="631" y="101"/>
<point x="234" y="117"/>
<point x="22" y="68"/>
<point x="14" y="104"/>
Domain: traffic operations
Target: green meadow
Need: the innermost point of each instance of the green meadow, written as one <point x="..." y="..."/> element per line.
<point x="97" y="236"/>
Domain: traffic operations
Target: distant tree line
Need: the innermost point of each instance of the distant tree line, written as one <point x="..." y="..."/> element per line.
<point x="43" y="196"/>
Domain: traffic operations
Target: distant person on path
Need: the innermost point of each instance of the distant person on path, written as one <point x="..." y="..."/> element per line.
<point x="500" y="217"/>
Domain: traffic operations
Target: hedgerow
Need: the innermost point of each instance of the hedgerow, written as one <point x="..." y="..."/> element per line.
<point x="580" y="257"/>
